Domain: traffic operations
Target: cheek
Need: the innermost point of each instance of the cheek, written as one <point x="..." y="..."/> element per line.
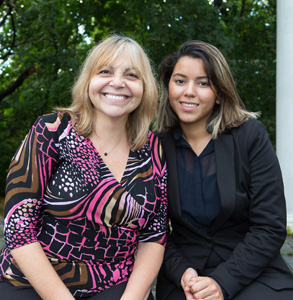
<point x="140" y="93"/>
<point x="92" y="87"/>
<point x="136" y="88"/>
<point x="173" y="104"/>
<point x="90" y="90"/>
<point x="174" y="94"/>
<point x="173" y="91"/>
<point x="140" y="90"/>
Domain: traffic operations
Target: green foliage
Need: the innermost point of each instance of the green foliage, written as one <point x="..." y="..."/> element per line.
<point x="52" y="37"/>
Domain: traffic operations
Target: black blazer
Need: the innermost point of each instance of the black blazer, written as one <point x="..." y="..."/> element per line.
<point x="243" y="243"/>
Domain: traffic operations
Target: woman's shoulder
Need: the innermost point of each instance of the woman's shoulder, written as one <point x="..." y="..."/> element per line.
<point x="158" y="137"/>
<point x="155" y="144"/>
<point x="250" y="128"/>
<point x="53" y="123"/>
<point x="59" y="116"/>
<point x="252" y="134"/>
<point x="152" y="139"/>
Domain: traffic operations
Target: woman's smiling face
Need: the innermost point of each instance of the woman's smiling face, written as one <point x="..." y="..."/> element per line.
<point x="116" y="90"/>
<point x="190" y="93"/>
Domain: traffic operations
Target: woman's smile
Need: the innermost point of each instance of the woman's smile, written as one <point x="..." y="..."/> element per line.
<point x="115" y="97"/>
<point x="189" y="106"/>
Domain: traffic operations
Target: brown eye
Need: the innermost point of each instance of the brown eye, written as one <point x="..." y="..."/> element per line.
<point x="204" y="83"/>
<point x="132" y="75"/>
<point x="180" y="81"/>
<point x="104" y="72"/>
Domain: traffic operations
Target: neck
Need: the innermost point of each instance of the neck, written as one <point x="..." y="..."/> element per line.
<point x="191" y="132"/>
<point x="110" y="136"/>
<point x="110" y="129"/>
<point x="197" y="137"/>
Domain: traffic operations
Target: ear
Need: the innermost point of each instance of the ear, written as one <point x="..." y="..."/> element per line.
<point x="219" y="98"/>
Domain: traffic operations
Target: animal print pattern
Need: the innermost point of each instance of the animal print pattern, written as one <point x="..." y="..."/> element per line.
<point x="61" y="194"/>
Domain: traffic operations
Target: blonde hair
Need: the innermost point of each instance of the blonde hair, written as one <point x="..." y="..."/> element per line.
<point x="106" y="52"/>
<point x="229" y="113"/>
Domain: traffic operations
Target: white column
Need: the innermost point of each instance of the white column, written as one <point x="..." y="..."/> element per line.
<point x="284" y="135"/>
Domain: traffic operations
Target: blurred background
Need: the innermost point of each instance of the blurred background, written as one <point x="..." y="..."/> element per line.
<point x="44" y="42"/>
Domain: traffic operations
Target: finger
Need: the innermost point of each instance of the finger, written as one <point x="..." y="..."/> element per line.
<point x="209" y="293"/>
<point x="189" y="296"/>
<point x="199" y="285"/>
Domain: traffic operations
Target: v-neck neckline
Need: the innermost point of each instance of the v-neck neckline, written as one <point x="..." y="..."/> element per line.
<point x="120" y="180"/>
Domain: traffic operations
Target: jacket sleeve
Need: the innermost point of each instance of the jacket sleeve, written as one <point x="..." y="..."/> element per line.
<point x="28" y="174"/>
<point x="267" y="214"/>
<point x="175" y="263"/>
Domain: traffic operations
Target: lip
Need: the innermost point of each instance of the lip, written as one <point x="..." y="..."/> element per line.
<point x="189" y="106"/>
<point x="116" y="98"/>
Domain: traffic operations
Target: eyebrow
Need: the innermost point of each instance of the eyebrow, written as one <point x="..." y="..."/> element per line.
<point x="179" y="74"/>
<point x="184" y="76"/>
<point x="125" y="70"/>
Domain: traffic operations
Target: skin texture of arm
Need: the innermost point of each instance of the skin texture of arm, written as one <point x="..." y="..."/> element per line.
<point x="148" y="261"/>
<point x="40" y="273"/>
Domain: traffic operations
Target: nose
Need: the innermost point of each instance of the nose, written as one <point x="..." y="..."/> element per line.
<point x="117" y="81"/>
<point x="190" y="90"/>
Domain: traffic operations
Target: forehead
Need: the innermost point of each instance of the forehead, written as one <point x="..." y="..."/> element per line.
<point x="124" y="59"/>
<point x="120" y="61"/>
<point x="189" y="66"/>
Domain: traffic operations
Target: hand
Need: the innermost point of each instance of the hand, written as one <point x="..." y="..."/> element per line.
<point x="205" y="288"/>
<point x="187" y="279"/>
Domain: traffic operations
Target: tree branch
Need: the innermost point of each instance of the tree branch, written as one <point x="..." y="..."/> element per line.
<point x="11" y="6"/>
<point x="218" y="3"/>
<point x="16" y="8"/>
<point x="242" y="8"/>
<point x="26" y="73"/>
<point x="7" y="14"/>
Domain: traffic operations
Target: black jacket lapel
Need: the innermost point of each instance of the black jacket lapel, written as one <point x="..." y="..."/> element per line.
<point x="225" y="156"/>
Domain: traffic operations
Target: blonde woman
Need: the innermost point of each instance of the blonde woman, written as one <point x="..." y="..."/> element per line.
<point x="226" y="198"/>
<point x="85" y="207"/>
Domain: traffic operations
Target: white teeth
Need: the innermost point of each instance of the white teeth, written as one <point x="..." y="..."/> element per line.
<point x="189" y="104"/>
<point x="115" y="97"/>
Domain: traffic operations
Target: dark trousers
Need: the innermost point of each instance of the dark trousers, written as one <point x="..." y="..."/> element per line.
<point x="10" y="292"/>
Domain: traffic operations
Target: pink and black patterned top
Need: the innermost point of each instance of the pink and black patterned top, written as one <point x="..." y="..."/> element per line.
<point x="60" y="193"/>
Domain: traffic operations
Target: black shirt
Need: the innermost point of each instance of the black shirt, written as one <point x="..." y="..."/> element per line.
<point x="199" y="193"/>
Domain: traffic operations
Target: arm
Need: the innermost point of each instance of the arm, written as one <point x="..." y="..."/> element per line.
<point x="40" y="273"/>
<point x="148" y="261"/>
<point x="176" y="264"/>
<point x="152" y="239"/>
<point x="267" y="215"/>
<point x="29" y="172"/>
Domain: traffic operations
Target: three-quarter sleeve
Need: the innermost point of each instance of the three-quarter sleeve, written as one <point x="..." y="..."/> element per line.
<point x="28" y="174"/>
<point x="156" y="227"/>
